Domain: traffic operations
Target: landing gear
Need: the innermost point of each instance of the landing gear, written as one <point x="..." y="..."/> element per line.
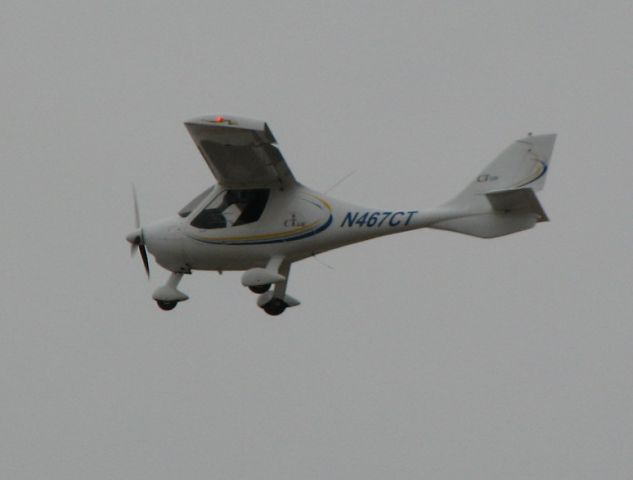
<point x="275" y="307"/>
<point x="166" y="305"/>
<point x="168" y="296"/>
<point x="259" y="288"/>
<point x="273" y="301"/>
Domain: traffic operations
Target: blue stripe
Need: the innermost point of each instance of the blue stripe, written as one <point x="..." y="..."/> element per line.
<point x="540" y="175"/>
<point x="278" y="240"/>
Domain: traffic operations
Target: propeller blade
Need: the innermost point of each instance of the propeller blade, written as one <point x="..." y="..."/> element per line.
<point x="136" y="238"/>
<point x="137" y="216"/>
<point x="141" y="247"/>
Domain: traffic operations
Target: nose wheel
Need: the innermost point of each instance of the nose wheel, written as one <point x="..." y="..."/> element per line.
<point x="166" y="305"/>
<point x="168" y="296"/>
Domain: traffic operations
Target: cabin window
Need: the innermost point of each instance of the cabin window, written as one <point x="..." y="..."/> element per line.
<point x="191" y="206"/>
<point x="232" y="208"/>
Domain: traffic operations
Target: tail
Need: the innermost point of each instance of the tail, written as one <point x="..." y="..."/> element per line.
<point x="501" y="200"/>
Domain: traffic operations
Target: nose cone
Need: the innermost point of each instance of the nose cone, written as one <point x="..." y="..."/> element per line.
<point x="135" y="237"/>
<point x="164" y="241"/>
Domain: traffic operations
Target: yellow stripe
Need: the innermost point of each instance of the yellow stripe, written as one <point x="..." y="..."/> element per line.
<point x="327" y="205"/>
<point x="538" y="169"/>
<point x="266" y="236"/>
<point x="262" y="236"/>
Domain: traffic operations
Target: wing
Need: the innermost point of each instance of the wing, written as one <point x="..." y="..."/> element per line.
<point x="240" y="152"/>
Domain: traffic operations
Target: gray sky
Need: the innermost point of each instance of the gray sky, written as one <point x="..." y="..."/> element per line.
<point x="425" y="355"/>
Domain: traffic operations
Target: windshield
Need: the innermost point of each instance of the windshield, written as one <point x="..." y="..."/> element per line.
<point x="232" y="208"/>
<point x="191" y="206"/>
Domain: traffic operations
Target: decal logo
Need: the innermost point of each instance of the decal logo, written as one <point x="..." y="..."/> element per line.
<point x="294" y="221"/>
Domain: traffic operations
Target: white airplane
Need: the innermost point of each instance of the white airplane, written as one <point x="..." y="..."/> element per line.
<point x="259" y="219"/>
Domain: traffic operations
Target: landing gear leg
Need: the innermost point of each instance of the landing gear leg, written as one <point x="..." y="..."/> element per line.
<point x="276" y="301"/>
<point x="168" y="296"/>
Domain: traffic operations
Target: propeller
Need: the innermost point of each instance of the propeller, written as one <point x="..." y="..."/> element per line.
<point x="135" y="238"/>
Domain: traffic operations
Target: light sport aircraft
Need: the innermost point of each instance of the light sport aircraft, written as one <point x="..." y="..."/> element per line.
<point x="259" y="219"/>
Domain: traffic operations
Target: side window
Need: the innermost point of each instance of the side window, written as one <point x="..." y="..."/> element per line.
<point x="191" y="206"/>
<point x="232" y="208"/>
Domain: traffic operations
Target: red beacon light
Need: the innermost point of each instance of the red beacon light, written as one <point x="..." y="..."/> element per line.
<point x="219" y="119"/>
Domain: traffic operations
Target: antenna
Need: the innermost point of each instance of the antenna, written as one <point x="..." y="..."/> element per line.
<point x="341" y="181"/>
<point x="322" y="262"/>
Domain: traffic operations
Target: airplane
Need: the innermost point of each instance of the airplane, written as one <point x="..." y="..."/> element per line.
<point x="260" y="220"/>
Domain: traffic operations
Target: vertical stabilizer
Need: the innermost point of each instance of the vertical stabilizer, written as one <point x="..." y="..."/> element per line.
<point x="523" y="164"/>
<point x="501" y="199"/>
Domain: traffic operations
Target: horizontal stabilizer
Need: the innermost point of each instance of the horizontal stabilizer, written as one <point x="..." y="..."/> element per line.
<point x="519" y="200"/>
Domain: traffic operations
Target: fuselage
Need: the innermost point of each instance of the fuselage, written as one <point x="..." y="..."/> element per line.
<point x="242" y="229"/>
<point x="259" y="219"/>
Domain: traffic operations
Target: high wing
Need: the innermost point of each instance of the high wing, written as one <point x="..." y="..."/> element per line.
<point x="240" y="152"/>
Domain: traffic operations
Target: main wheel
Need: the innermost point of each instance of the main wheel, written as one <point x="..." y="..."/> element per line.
<point x="166" y="305"/>
<point x="260" y="288"/>
<point x="275" y="307"/>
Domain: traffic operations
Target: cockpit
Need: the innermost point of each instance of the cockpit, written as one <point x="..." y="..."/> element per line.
<point x="227" y="208"/>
